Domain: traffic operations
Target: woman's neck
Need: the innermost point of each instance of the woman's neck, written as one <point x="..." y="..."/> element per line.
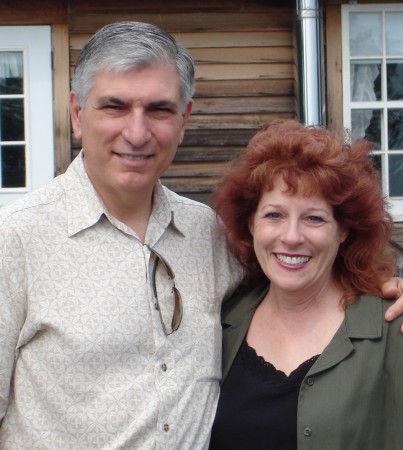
<point x="287" y="329"/>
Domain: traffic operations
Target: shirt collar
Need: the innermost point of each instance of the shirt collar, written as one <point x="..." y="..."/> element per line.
<point x="85" y="208"/>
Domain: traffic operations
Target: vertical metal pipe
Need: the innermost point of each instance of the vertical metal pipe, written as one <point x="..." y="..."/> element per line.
<point x="310" y="62"/>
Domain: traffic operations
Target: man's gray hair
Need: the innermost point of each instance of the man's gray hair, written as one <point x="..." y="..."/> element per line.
<point x="123" y="46"/>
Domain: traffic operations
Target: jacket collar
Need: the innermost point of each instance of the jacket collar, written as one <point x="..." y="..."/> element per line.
<point x="363" y="320"/>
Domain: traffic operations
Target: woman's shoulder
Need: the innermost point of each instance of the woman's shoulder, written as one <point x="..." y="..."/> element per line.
<point x="368" y="313"/>
<point x="246" y="298"/>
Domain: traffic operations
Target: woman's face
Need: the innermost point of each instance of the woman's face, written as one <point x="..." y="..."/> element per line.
<point x="296" y="240"/>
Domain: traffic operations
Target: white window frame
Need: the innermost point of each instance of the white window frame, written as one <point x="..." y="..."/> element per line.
<point x="396" y="203"/>
<point x="36" y="46"/>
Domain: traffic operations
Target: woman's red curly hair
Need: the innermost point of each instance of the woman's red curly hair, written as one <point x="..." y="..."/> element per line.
<point x="313" y="161"/>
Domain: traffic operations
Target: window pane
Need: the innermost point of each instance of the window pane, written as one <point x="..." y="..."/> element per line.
<point x="394" y="35"/>
<point x="396" y="175"/>
<point x="11" y="73"/>
<point x="12" y="166"/>
<point x="366" y="123"/>
<point x="394" y="80"/>
<point x="365" y="79"/>
<point x="377" y="159"/>
<point x="12" y="119"/>
<point x="395" y="129"/>
<point x="365" y="34"/>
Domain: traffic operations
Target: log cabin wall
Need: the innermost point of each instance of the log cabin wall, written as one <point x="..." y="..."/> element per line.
<point x="245" y="74"/>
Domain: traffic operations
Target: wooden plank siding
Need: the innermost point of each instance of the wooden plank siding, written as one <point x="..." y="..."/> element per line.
<point x="244" y="56"/>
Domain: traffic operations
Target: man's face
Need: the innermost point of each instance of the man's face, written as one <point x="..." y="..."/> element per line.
<point x="130" y="129"/>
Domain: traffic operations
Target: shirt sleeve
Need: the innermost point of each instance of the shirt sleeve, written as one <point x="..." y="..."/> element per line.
<point x="12" y="308"/>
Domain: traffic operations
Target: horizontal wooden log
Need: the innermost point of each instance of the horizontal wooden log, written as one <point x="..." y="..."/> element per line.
<point x="182" y="21"/>
<point x="161" y="6"/>
<point x="192" y="170"/>
<point x="242" y="55"/>
<point x="265" y="38"/>
<point x="244" y="88"/>
<point x="215" y="138"/>
<point x="235" y="121"/>
<point x="197" y="154"/>
<point x="28" y="12"/>
<point x="244" y="71"/>
<point x="235" y="105"/>
<point x="233" y="56"/>
<point x="190" y="184"/>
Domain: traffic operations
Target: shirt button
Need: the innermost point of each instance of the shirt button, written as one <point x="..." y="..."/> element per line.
<point x="307" y="431"/>
<point x="310" y="381"/>
<point x="166" y="427"/>
<point x="164" y="367"/>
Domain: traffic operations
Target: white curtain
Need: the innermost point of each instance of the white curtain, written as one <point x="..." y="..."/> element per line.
<point x="11" y="65"/>
<point x="362" y="82"/>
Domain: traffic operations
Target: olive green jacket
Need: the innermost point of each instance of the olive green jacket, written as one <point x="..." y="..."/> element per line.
<point x="352" y="397"/>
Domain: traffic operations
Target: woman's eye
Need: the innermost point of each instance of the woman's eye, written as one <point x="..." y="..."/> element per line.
<point x="315" y="219"/>
<point x="273" y="215"/>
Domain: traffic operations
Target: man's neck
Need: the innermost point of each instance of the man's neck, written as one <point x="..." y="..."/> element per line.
<point x="134" y="211"/>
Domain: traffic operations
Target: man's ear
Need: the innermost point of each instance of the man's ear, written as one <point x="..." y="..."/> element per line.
<point x="185" y="116"/>
<point x="75" y="114"/>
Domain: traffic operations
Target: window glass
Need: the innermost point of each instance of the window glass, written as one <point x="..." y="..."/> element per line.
<point x="396" y="175"/>
<point x="366" y="123"/>
<point x="12" y="121"/>
<point x="13" y="166"/>
<point x="372" y="51"/>
<point x="365" y="34"/>
<point x="26" y="110"/>
<point x="394" y="80"/>
<point x="395" y="129"/>
<point x="365" y="79"/>
<point x="394" y="33"/>
<point x="11" y="73"/>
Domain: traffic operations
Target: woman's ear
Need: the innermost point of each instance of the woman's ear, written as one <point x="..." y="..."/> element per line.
<point x="251" y="224"/>
<point x="343" y="233"/>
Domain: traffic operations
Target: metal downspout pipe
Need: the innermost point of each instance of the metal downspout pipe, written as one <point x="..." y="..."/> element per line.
<point x="310" y="62"/>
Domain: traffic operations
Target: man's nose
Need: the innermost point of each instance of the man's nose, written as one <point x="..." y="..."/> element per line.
<point x="136" y="129"/>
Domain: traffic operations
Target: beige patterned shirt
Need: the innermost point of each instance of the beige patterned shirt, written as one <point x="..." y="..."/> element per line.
<point x="84" y="361"/>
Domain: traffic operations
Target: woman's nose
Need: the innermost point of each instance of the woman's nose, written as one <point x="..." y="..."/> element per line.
<point x="292" y="232"/>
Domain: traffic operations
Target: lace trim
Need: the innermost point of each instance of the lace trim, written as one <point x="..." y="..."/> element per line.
<point x="265" y="370"/>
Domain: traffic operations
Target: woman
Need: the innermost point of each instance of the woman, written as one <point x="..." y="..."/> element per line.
<point x="309" y="362"/>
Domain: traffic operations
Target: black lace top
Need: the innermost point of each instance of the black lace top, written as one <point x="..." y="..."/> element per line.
<point x="257" y="408"/>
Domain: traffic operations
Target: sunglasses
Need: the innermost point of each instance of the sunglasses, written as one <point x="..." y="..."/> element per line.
<point x="174" y="293"/>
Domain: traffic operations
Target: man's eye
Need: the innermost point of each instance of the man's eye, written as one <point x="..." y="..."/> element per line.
<point x="113" y="107"/>
<point x="162" y="110"/>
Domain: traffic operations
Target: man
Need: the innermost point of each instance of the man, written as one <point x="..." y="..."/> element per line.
<point x="111" y="284"/>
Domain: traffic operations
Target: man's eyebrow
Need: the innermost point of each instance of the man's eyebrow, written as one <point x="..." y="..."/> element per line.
<point x="159" y="103"/>
<point x="110" y="99"/>
<point x="153" y="104"/>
